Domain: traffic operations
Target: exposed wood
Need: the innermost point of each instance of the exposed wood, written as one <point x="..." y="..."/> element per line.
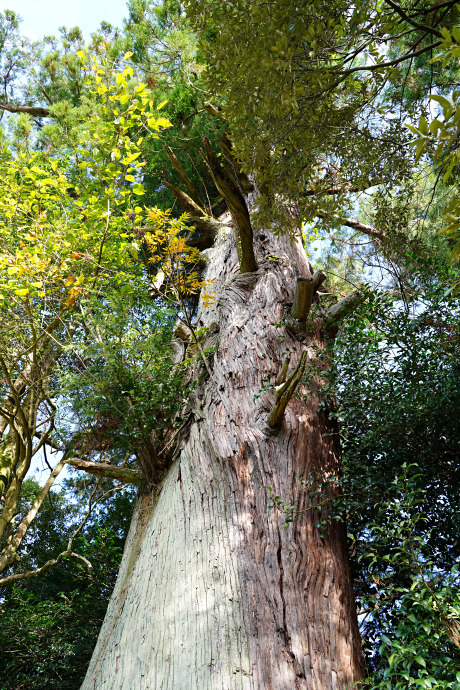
<point x="206" y="225"/>
<point x="228" y="187"/>
<point x="194" y="193"/>
<point x="35" y="111"/>
<point x="99" y="469"/>
<point x="303" y="296"/>
<point x="226" y="147"/>
<point x="285" y="391"/>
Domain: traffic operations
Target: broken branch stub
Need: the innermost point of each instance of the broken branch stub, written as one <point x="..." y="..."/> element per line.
<point x="303" y="296"/>
<point x="285" y="391"/>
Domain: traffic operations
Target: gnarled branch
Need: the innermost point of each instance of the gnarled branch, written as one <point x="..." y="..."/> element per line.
<point x="229" y="189"/>
<point x="285" y="391"/>
<point x="122" y="474"/>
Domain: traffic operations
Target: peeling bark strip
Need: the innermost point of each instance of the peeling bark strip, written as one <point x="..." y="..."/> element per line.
<point x="212" y="594"/>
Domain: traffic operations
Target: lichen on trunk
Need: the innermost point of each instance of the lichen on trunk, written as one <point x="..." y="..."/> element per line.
<point x="212" y="592"/>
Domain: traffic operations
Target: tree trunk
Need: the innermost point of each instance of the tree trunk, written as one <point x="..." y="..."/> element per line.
<point x="212" y="592"/>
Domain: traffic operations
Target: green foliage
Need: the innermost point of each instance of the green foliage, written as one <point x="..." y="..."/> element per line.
<point x="397" y="401"/>
<point x="413" y="603"/>
<point x="13" y="53"/>
<point x="439" y="136"/>
<point x="120" y="390"/>
<point x="50" y="624"/>
<point x="164" y="54"/>
<point x="304" y="97"/>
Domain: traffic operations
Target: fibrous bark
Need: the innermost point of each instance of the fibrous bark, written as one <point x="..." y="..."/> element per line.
<point x="212" y="593"/>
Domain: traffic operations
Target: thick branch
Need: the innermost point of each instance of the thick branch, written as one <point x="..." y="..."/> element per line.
<point x="178" y="167"/>
<point x="227" y="186"/>
<point x="226" y="147"/>
<point x="356" y="225"/>
<point x="122" y="474"/>
<point x="365" y="229"/>
<point x="35" y="111"/>
<point x="285" y="391"/>
<point x="344" y="306"/>
<point x="212" y="110"/>
<point x="340" y="189"/>
<point x="304" y="291"/>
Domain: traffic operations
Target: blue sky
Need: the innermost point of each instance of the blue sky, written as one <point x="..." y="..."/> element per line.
<point x="44" y="17"/>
